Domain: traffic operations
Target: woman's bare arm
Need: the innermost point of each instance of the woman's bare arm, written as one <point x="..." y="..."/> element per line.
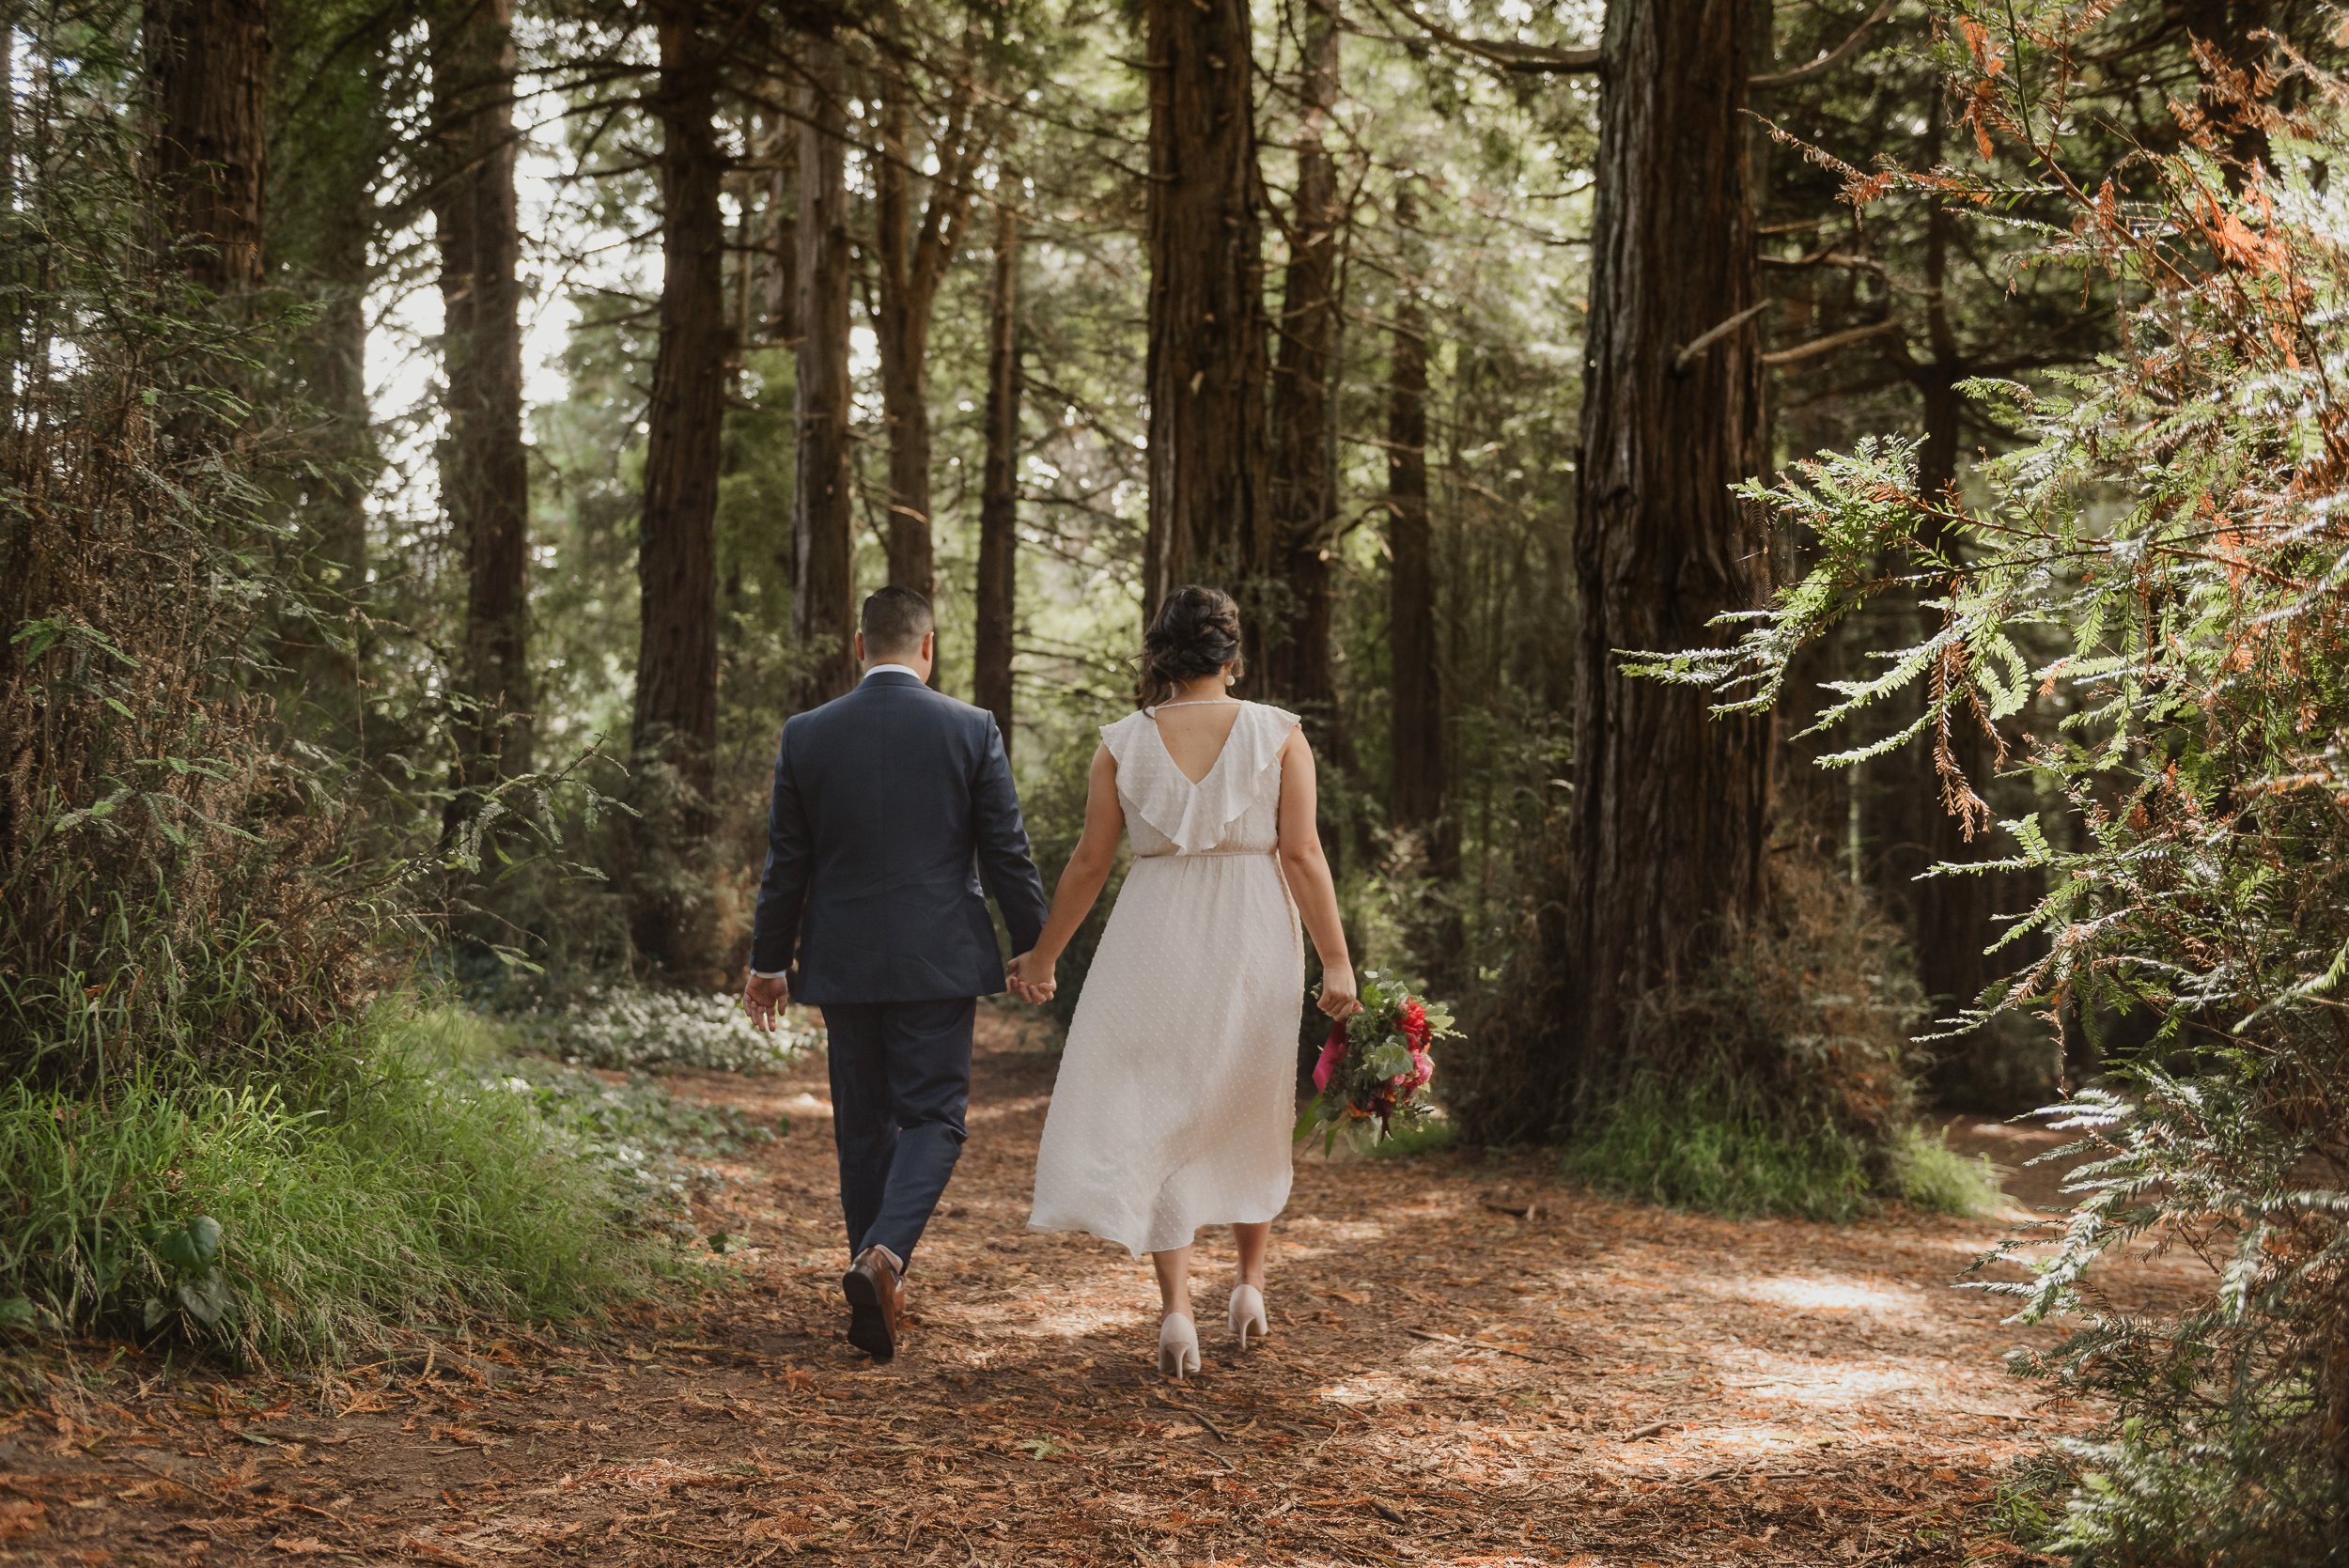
<point x="1308" y="873"/>
<point x="1080" y="884"/>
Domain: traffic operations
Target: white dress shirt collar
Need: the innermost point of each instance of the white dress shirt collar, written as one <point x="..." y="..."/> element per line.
<point x="890" y="669"/>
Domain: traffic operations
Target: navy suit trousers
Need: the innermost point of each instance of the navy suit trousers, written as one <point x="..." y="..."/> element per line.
<point x="900" y="1085"/>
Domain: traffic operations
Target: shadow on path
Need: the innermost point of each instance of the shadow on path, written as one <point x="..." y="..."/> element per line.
<point x="1468" y="1365"/>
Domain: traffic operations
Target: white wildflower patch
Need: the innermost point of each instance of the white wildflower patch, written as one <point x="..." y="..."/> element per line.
<point x="639" y="1027"/>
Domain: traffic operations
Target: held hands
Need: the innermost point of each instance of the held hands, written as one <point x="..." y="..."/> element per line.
<point x="1338" y="998"/>
<point x="764" y="999"/>
<point x="1031" y="978"/>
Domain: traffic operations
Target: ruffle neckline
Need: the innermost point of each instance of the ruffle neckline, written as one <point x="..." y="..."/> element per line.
<point x="1195" y="815"/>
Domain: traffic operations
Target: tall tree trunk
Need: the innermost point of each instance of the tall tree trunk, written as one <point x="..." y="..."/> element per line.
<point x="485" y="477"/>
<point x="781" y="256"/>
<point x="1667" y="838"/>
<point x="823" y="607"/>
<point x="1293" y="631"/>
<point x="901" y="331"/>
<point x="999" y="484"/>
<point x="12" y="276"/>
<point x="211" y="62"/>
<point x="1206" y="365"/>
<point x="673" y="731"/>
<point x="1416" y="796"/>
<point x="911" y="263"/>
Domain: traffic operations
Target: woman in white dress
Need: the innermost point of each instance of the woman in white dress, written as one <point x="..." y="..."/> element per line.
<point x="1177" y="1088"/>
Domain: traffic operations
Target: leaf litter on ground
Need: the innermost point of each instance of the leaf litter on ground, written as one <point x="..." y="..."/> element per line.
<point x="1448" y="1382"/>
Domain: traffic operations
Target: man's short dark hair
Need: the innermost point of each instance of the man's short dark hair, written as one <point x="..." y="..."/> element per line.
<point x="895" y="621"/>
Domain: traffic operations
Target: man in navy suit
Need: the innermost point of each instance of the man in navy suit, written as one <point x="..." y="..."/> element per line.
<point x="892" y="806"/>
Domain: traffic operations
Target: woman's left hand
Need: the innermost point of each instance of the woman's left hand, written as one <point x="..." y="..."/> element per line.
<point x="1338" y="996"/>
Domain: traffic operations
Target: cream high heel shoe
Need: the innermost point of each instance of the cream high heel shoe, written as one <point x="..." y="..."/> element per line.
<point x="1248" y="1313"/>
<point x="1178" y="1346"/>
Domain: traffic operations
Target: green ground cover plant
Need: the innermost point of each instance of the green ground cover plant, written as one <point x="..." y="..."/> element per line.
<point x="389" y="1190"/>
<point x="420" y="1176"/>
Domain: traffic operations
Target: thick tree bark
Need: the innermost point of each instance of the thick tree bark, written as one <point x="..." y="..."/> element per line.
<point x="674" y="729"/>
<point x="1668" y="833"/>
<point x="210" y="64"/>
<point x="999" y="484"/>
<point x="781" y="258"/>
<point x="911" y="263"/>
<point x="1292" y="633"/>
<point x="823" y="606"/>
<point x="1206" y="364"/>
<point x="1415" y="689"/>
<point x="485" y="477"/>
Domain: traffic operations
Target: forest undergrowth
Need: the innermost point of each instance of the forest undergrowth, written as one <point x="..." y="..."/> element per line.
<point x="1472" y="1363"/>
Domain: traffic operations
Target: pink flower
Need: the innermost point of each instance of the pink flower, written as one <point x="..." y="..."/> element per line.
<point x="1333" y="1052"/>
<point x="1422" y="1068"/>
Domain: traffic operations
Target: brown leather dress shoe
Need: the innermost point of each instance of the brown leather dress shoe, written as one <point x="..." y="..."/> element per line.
<point x="874" y="1298"/>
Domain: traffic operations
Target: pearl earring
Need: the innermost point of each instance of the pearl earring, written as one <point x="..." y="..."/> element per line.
<point x="1227" y="682"/>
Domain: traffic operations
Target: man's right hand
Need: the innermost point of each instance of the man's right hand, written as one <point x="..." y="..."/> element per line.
<point x="764" y="999"/>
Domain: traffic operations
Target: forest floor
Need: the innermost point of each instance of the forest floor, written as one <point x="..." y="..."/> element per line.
<point x="1469" y="1364"/>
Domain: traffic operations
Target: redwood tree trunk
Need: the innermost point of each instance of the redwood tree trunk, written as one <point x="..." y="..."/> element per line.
<point x="1416" y="694"/>
<point x="781" y="258"/>
<point x="1206" y="365"/>
<point x="823" y="608"/>
<point x="1667" y="838"/>
<point x="675" y="728"/>
<point x="211" y="65"/>
<point x="901" y="331"/>
<point x="1292" y="634"/>
<point x="485" y="479"/>
<point x="999" y="484"/>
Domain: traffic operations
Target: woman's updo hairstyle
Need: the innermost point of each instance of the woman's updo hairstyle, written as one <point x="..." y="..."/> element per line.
<point x="1195" y="633"/>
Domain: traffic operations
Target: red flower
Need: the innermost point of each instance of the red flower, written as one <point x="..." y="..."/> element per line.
<point x="1414" y="1021"/>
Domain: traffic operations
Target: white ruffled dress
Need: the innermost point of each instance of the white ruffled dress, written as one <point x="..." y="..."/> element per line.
<point x="1177" y="1088"/>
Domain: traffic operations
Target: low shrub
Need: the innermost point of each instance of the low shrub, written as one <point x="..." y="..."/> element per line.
<point x="1430" y="1137"/>
<point x="1807" y="1103"/>
<point x="1928" y="1174"/>
<point x="646" y="1027"/>
<point x="1704" y="1149"/>
<point x="415" y="1176"/>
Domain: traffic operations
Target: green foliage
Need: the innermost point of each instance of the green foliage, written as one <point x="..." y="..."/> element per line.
<point x="1701" y="1148"/>
<point x="2173" y="524"/>
<point x="389" y="1188"/>
<point x="1430" y="1135"/>
<point x="1928" y="1174"/>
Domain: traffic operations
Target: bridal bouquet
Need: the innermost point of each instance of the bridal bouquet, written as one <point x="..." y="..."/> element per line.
<point x="1375" y="1064"/>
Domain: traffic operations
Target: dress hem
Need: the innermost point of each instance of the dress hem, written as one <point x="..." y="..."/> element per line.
<point x="1139" y="1253"/>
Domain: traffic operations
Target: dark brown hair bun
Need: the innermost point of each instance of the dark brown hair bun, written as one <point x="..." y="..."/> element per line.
<point x="1195" y="633"/>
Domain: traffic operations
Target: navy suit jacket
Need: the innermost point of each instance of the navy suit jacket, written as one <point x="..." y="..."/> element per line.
<point x="892" y="806"/>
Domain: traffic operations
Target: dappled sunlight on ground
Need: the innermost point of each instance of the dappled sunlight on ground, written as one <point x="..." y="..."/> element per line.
<point x="1447" y="1384"/>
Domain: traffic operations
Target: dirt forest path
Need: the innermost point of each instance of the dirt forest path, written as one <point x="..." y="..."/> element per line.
<point x="1468" y="1365"/>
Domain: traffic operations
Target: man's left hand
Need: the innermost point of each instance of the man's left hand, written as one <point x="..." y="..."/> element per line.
<point x="764" y="999"/>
